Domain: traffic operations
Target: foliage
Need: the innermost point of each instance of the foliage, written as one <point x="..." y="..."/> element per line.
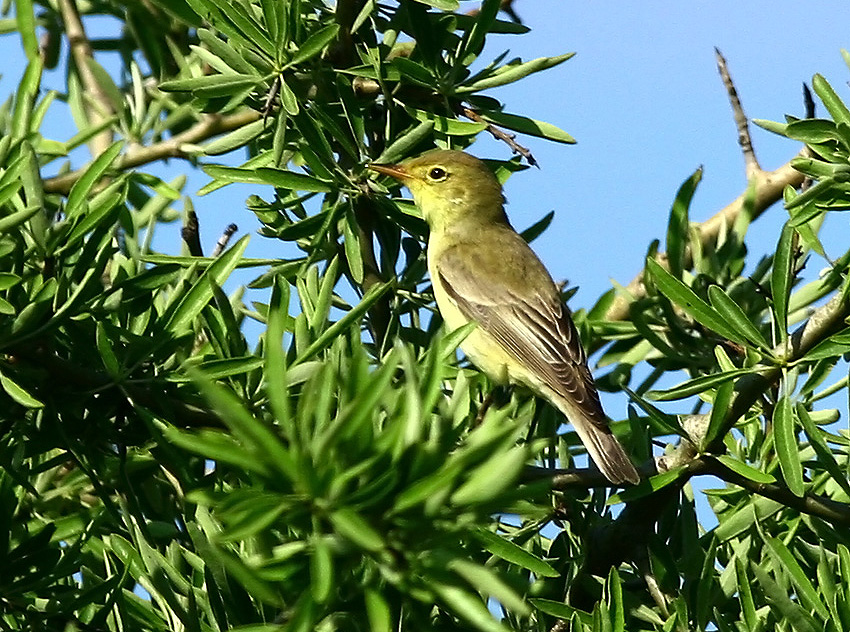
<point x="162" y="472"/>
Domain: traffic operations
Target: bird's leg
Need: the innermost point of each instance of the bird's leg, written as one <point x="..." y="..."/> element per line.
<point x="498" y="395"/>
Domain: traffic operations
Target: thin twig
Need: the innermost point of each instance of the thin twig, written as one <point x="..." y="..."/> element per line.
<point x="191" y="235"/>
<point x="768" y="185"/>
<point x="96" y="104"/>
<point x="830" y="510"/>
<point x="222" y="242"/>
<point x="741" y="122"/>
<point x="767" y="190"/>
<point x="208" y="126"/>
<point x="819" y="506"/>
<point x="502" y="135"/>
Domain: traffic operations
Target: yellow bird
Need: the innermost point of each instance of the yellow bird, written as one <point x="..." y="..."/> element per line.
<point x="483" y="271"/>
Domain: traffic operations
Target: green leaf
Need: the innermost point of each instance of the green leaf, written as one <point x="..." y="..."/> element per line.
<point x="222" y="368"/>
<point x="321" y="570"/>
<point x="696" y="385"/>
<point x="745" y="595"/>
<point x="473" y="41"/>
<point x="201" y="293"/>
<point x="448" y="126"/>
<point x="686" y="298"/>
<point x="94" y="172"/>
<point x="278" y="178"/>
<point x="781" y="278"/>
<point x="443" y="5"/>
<point x="315" y="44"/>
<point x="288" y="99"/>
<point x="511" y="73"/>
<point x="560" y="610"/>
<point x="786" y="609"/>
<point x="739" y="467"/>
<point x="212" y="85"/>
<point x="784" y="559"/>
<point x="735" y="316"/>
<point x="404" y="144"/>
<point x="344" y="323"/>
<point x="537" y="228"/>
<point x="836" y="345"/>
<point x="467" y="606"/>
<point x="351" y="525"/>
<point x="235" y="139"/>
<point x="11" y="222"/>
<point x="812" y="131"/>
<point x="106" y="85"/>
<point x="831" y="101"/>
<point x="251" y="432"/>
<point x="489" y="584"/>
<point x="491" y="478"/>
<point x="719" y="410"/>
<point x="822" y="450"/>
<point x="678" y="226"/>
<point x="26" y="27"/>
<point x="614" y="589"/>
<point x="19" y="393"/>
<point x="351" y="244"/>
<point x="505" y="549"/>
<point x="787" y="449"/>
<point x="377" y="611"/>
<point x="647" y="486"/>
<point x="216" y="446"/>
<point x="530" y="126"/>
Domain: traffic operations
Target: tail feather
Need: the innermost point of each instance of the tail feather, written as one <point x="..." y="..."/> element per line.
<point x="605" y="450"/>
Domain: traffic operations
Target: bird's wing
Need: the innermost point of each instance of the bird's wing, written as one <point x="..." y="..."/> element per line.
<point x="530" y="322"/>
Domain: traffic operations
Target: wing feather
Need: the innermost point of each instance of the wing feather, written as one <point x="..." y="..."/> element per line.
<point x="529" y="322"/>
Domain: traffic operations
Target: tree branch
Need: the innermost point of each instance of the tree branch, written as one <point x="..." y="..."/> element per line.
<point x="208" y="126"/>
<point x="751" y="164"/>
<point x="96" y="103"/>
<point x="767" y="188"/>
<point x="814" y="505"/>
<point x="830" y="510"/>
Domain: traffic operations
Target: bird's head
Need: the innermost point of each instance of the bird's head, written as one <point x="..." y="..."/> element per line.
<point x="450" y="187"/>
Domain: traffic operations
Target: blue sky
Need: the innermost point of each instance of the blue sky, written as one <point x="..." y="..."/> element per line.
<point x="643" y="99"/>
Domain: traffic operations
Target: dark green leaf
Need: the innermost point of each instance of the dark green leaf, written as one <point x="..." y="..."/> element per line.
<point x="278" y="178"/>
<point x="739" y="467"/>
<point x="787" y="448"/>
<point x="678" y="226"/>
<point x="505" y="549"/>
<point x="682" y="295"/>
<point x="315" y="44"/>
<point x="781" y="278"/>
<point x="735" y="316"/>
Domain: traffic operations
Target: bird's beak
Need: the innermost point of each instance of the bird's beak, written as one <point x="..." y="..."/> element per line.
<point x="394" y="171"/>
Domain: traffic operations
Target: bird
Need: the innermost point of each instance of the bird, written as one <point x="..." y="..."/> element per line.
<point x="482" y="270"/>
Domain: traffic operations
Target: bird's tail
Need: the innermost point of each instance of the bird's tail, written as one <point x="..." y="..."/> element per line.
<point x="604" y="448"/>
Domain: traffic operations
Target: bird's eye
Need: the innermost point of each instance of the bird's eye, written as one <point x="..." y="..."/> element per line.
<point x="437" y="173"/>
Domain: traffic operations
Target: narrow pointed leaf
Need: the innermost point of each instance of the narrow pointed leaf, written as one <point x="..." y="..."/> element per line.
<point x="787" y="448"/>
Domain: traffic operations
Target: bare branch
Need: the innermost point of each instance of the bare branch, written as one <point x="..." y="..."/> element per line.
<point x="768" y="187"/>
<point x="208" y="126"/>
<point x="751" y="164"/>
<point x="832" y="511"/>
<point x="819" y="506"/>
<point x="502" y="135"/>
<point x="97" y="105"/>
